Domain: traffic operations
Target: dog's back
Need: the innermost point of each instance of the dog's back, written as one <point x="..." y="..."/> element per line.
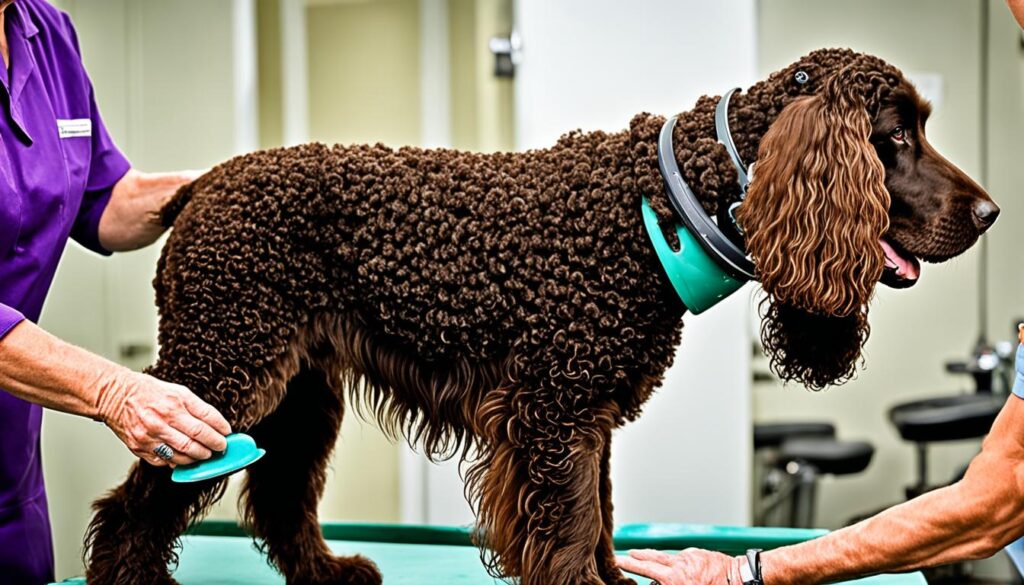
<point x="451" y="255"/>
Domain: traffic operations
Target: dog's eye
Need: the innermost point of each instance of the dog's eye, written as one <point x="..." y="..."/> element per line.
<point x="899" y="134"/>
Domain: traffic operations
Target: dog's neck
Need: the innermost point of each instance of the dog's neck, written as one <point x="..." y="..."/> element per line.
<point x="705" y="164"/>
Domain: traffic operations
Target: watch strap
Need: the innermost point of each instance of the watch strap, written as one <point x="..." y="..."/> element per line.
<point x="750" y="571"/>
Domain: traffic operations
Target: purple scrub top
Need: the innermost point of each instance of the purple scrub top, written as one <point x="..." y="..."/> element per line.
<point x="58" y="166"/>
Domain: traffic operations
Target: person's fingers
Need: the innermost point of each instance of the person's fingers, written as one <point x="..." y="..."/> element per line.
<point x="198" y="433"/>
<point x="648" y="569"/>
<point x="150" y="448"/>
<point x="651" y="555"/>
<point x="209" y="416"/>
<point x="183" y="445"/>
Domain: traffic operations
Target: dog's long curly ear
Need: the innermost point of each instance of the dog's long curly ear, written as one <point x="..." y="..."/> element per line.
<point x="816" y="209"/>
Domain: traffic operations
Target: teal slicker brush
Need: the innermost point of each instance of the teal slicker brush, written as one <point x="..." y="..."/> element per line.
<point x="241" y="452"/>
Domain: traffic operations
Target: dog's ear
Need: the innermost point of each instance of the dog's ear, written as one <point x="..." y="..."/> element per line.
<point x="817" y="205"/>
<point x="813" y="217"/>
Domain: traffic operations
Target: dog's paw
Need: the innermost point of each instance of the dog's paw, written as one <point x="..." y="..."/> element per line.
<point x="354" y="570"/>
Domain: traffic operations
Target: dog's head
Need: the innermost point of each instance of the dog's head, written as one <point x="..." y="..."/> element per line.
<point x="847" y="192"/>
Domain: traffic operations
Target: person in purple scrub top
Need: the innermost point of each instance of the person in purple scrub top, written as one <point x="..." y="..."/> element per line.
<point x="62" y="176"/>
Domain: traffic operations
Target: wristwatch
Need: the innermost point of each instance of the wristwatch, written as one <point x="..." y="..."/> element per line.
<point x="750" y="572"/>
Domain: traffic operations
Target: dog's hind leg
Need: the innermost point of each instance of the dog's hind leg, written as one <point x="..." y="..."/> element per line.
<point x="283" y="489"/>
<point x="132" y="534"/>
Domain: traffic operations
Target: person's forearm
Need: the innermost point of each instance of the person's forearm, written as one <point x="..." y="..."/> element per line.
<point x="130" y="220"/>
<point x="40" y="368"/>
<point x="969" y="520"/>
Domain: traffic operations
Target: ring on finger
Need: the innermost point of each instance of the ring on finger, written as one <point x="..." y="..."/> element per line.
<point x="164" y="451"/>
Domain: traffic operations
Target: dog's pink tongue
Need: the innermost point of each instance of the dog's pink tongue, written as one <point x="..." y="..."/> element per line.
<point x="908" y="269"/>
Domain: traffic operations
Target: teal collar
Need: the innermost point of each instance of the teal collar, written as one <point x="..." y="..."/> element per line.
<point x="697" y="279"/>
<point x="708" y="266"/>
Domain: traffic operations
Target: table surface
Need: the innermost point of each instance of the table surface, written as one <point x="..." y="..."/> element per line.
<point x="232" y="559"/>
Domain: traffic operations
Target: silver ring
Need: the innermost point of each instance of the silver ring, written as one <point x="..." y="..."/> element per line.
<point x="164" y="451"/>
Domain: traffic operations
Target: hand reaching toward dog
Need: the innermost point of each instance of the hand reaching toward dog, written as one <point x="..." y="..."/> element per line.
<point x="143" y="411"/>
<point x="692" y="566"/>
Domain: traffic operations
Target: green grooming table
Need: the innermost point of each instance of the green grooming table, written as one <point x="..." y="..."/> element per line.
<point x="220" y="553"/>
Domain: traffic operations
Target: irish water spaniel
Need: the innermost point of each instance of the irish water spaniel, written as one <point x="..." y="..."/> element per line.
<point x="508" y="308"/>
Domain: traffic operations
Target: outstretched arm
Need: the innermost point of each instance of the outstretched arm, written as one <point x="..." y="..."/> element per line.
<point x="141" y="410"/>
<point x="971" y="519"/>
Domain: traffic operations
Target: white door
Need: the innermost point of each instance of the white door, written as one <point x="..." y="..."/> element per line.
<point x="593" y="64"/>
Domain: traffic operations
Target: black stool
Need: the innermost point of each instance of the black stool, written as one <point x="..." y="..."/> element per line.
<point x="795" y="456"/>
<point x="808" y="459"/>
<point x="936" y="420"/>
<point x="772" y="435"/>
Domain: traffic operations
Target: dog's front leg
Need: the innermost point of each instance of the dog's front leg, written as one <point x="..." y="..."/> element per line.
<point x="131" y="537"/>
<point x="537" y="489"/>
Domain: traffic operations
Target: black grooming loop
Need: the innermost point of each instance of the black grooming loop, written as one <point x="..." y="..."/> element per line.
<point x="732" y="258"/>
<point x="727" y="214"/>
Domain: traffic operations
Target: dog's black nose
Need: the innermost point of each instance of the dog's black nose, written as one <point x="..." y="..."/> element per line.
<point x="985" y="213"/>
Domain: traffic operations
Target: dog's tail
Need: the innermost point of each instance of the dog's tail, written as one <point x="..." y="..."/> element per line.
<point x="169" y="212"/>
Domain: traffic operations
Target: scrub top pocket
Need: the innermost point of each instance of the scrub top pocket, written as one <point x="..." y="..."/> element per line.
<point x="77" y="151"/>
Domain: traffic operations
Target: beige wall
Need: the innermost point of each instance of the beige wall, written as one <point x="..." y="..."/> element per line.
<point x="268" y="32"/>
<point x="364" y="81"/>
<point x="916" y="330"/>
<point x="482" y="114"/>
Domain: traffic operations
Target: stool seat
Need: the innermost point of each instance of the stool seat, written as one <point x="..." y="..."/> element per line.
<point x="950" y="418"/>
<point x="771" y="435"/>
<point x="829" y="456"/>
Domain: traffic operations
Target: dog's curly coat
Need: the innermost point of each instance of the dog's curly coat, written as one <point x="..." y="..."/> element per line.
<point x="504" y="305"/>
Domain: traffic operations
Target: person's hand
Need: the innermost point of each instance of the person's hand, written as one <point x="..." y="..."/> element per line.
<point x="131" y="219"/>
<point x="145" y="412"/>
<point x="692" y="566"/>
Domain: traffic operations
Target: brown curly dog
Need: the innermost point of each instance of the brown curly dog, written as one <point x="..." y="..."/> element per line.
<point x="509" y="308"/>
